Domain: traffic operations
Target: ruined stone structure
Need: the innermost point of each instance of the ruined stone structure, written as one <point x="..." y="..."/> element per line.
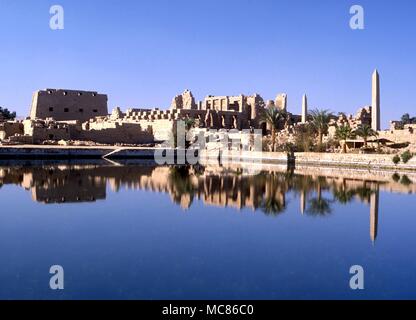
<point x="66" y="105"/>
<point x="114" y="131"/>
<point x="184" y="101"/>
<point x="144" y="126"/>
<point x="9" y="129"/>
<point x="400" y="134"/>
<point x="135" y="125"/>
<point x="99" y="130"/>
<point x="245" y="110"/>
<point x="362" y="117"/>
<point x="83" y="115"/>
<point x="281" y="102"/>
<point x="42" y="130"/>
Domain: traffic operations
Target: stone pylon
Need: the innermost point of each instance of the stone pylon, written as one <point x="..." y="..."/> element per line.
<point x="375" y="102"/>
<point x="304" y="108"/>
<point x="281" y="102"/>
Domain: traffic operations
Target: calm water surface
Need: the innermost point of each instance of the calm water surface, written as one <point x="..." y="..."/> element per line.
<point x="137" y="231"/>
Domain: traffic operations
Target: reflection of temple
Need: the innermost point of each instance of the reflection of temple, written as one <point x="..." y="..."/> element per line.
<point x="344" y="190"/>
<point x="215" y="186"/>
<point x="59" y="186"/>
<point x="56" y="184"/>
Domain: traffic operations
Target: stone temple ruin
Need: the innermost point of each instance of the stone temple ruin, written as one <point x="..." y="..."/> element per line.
<point x="58" y="115"/>
<point x="82" y="116"/>
<point x="64" y="105"/>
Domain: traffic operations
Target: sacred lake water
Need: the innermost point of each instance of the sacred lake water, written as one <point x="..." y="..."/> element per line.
<point x="134" y="230"/>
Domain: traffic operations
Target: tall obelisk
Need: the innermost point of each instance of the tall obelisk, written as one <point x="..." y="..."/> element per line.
<point x="375" y="102"/>
<point x="304" y="108"/>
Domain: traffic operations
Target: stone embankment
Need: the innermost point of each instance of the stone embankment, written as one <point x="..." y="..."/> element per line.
<point x="65" y="152"/>
<point x="370" y="161"/>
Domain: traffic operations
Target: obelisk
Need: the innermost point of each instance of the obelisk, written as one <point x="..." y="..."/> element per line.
<point x="375" y="102"/>
<point x="304" y="108"/>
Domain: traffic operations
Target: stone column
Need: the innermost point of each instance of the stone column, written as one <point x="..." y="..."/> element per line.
<point x="304" y="108"/>
<point x="375" y="102"/>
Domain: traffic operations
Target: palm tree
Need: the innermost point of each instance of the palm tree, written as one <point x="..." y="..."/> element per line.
<point x="272" y="116"/>
<point x="320" y="121"/>
<point x="6" y="114"/>
<point x="343" y="133"/>
<point x="406" y="118"/>
<point x="189" y="123"/>
<point x="365" y="131"/>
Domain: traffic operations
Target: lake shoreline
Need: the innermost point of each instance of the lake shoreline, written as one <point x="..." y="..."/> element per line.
<point x="358" y="161"/>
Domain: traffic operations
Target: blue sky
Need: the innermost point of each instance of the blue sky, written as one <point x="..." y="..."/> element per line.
<point x="142" y="53"/>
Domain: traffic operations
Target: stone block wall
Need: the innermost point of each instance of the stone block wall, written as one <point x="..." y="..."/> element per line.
<point x="399" y="136"/>
<point x="114" y="133"/>
<point x="46" y="130"/>
<point x="8" y="129"/>
<point x="63" y="105"/>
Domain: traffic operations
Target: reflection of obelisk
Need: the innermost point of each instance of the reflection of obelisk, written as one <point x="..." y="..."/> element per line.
<point x="374" y="201"/>
<point x="375" y="102"/>
<point x="304" y="108"/>
<point x="302" y="201"/>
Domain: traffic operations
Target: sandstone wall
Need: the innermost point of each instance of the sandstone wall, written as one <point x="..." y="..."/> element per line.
<point x="399" y="136"/>
<point x="114" y="132"/>
<point x="8" y="129"/>
<point x="40" y="131"/>
<point x="382" y="161"/>
<point x="65" y="105"/>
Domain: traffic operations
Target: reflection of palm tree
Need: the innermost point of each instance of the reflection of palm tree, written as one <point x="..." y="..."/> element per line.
<point x="274" y="201"/>
<point x="364" y="193"/>
<point x="343" y="196"/>
<point x="406" y="181"/>
<point x="181" y="183"/>
<point x="319" y="207"/>
<point x="272" y="205"/>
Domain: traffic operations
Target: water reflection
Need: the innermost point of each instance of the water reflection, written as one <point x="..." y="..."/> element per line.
<point x="317" y="189"/>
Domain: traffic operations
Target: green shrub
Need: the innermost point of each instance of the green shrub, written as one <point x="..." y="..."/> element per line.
<point x="396" y="159"/>
<point x="406" y="156"/>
